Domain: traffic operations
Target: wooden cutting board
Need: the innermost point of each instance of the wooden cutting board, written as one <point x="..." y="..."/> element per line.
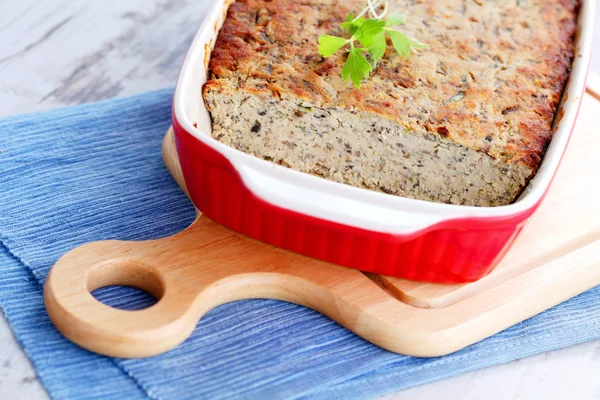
<point x="556" y="257"/>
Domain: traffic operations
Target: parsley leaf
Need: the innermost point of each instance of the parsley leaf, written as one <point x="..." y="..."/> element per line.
<point x="378" y="46"/>
<point x="403" y="43"/>
<point x="368" y="30"/>
<point x="356" y="68"/>
<point x="371" y="34"/>
<point x="349" y="21"/>
<point x="352" y="24"/>
<point x="396" y="19"/>
<point x="328" y="45"/>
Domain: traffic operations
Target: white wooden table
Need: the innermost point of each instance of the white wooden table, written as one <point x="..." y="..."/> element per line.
<point x="56" y="53"/>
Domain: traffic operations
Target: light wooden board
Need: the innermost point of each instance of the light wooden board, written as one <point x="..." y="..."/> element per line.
<point x="557" y="257"/>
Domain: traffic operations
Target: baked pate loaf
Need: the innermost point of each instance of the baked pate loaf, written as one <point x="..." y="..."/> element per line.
<point x="465" y="121"/>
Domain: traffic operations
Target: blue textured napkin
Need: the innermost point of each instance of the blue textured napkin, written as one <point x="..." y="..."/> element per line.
<point x="95" y="172"/>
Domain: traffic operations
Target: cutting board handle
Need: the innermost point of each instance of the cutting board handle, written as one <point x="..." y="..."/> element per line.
<point x="103" y="329"/>
<point x="190" y="273"/>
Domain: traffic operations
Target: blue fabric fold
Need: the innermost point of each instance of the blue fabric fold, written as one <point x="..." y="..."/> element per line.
<point x="95" y="172"/>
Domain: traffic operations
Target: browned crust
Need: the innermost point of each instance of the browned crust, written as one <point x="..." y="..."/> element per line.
<point x="491" y="79"/>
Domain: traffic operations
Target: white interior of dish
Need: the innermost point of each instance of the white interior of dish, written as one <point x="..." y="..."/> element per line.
<point x="346" y="204"/>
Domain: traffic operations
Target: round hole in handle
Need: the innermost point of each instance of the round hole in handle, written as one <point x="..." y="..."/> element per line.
<point x="126" y="284"/>
<point x="126" y="298"/>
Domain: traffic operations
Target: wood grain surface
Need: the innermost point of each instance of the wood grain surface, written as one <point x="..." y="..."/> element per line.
<point x="48" y="46"/>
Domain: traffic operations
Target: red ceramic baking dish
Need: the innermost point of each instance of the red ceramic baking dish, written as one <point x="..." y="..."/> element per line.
<point x="345" y="225"/>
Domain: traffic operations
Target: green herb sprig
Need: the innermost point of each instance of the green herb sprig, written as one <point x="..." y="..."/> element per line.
<point x="367" y="40"/>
